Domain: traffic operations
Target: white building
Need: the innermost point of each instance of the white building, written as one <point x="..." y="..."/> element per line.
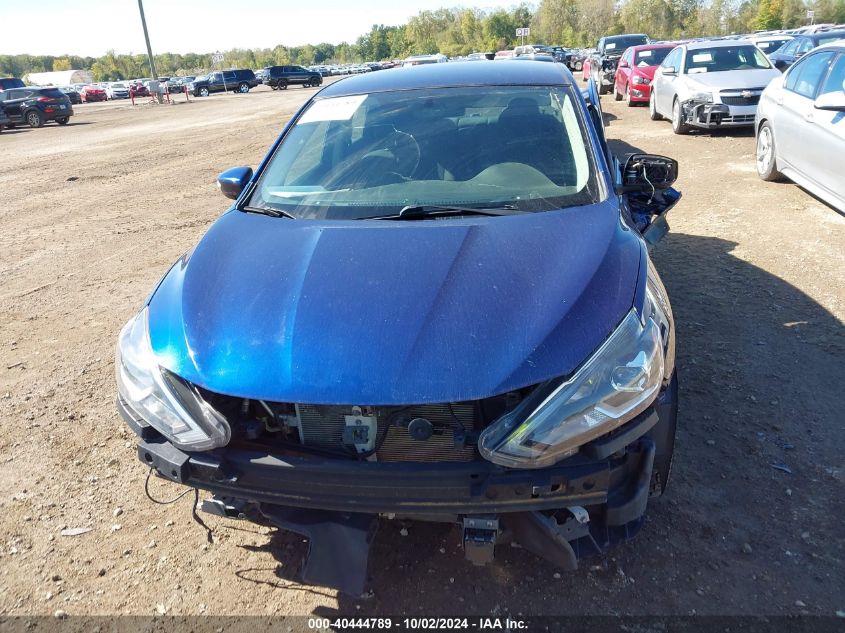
<point x="59" y="78"/>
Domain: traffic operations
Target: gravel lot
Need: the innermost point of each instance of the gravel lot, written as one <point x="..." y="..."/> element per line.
<point x="95" y="212"/>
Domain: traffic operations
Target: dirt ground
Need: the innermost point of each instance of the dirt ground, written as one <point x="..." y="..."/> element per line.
<point x="93" y="214"/>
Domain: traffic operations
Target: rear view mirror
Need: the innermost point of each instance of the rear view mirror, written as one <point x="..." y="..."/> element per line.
<point x="623" y="64"/>
<point x="670" y="70"/>
<point x="833" y="101"/>
<point x="648" y="173"/>
<point x="233" y="181"/>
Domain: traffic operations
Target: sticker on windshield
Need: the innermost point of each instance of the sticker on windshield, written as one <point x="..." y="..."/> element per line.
<point x="336" y="109"/>
<point x="645" y="53"/>
<point x="702" y="58"/>
<point x="609" y="46"/>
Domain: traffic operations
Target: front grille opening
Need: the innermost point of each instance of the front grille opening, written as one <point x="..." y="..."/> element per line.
<point x="443" y="432"/>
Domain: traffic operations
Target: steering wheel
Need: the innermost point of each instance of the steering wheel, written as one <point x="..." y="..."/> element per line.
<point x="406" y="150"/>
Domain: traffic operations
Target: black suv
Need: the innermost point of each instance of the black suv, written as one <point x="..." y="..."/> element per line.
<point x="608" y="51"/>
<point x="240" y="80"/>
<point x="278" y="77"/>
<point x="36" y="106"/>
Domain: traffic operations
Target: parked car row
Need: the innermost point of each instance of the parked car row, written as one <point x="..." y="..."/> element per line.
<point x="711" y="84"/>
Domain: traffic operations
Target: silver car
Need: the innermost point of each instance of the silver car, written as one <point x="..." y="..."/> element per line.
<point x="710" y="85"/>
<point x="801" y="125"/>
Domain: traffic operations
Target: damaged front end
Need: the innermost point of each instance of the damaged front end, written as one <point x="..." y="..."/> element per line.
<point x="331" y="473"/>
<point x="702" y="112"/>
<point x="574" y="509"/>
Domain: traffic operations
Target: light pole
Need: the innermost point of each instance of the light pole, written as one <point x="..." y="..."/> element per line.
<point x="153" y="74"/>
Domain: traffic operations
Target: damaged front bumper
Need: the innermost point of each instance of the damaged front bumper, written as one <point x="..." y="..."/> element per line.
<point x="573" y="509"/>
<point x="708" y="115"/>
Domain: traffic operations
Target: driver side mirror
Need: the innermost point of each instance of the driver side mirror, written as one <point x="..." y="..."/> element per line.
<point x="623" y="64"/>
<point x="233" y="181"/>
<point x="648" y="173"/>
<point x="671" y="71"/>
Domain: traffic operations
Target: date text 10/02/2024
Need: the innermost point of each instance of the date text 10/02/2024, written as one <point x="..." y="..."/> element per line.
<point x="417" y="623"/>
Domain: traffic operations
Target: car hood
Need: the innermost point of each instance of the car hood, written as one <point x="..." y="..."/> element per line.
<point x="394" y="312"/>
<point x="733" y="79"/>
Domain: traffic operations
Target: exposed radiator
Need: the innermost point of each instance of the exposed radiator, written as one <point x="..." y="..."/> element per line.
<point x="323" y="427"/>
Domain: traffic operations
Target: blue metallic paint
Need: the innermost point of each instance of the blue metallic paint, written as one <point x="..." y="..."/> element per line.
<point x="233" y="181"/>
<point x="381" y="312"/>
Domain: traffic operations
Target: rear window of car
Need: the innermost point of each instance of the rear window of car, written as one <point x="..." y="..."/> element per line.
<point x="55" y="93"/>
<point x="7" y="83"/>
<point x="827" y="38"/>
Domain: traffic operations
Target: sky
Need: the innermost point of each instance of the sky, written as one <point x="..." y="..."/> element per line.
<point x="91" y="27"/>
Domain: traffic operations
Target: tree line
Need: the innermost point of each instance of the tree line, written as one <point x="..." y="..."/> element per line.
<point x="459" y="31"/>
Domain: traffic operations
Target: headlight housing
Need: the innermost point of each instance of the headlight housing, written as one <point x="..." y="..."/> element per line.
<point x="185" y="419"/>
<point x="618" y="382"/>
<point x="702" y="97"/>
<point x="640" y="80"/>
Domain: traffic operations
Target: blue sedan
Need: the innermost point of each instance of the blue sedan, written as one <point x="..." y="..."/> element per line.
<point x="433" y="300"/>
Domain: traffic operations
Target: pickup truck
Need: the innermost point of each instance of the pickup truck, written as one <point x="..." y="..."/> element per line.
<point x="604" y="60"/>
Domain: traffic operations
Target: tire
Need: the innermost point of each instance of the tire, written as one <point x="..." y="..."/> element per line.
<point x="63" y="120"/>
<point x="243" y="87"/>
<point x="34" y="118"/>
<point x="628" y="101"/>
<point x="678" y="127"/>
<point x="282" y="84"/>
<point x="766" y="156"/>
<point x="652" y="108"/>
<point x="616" y="94"/>
<point x="203" y="92"/>
<point x="603" y="90"/>
<point x="579" y="65"/>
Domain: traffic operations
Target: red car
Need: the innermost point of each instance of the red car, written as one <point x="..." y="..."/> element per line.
<point x="92" y="93"/>
<point x="139" y="90"/>
<point x="636" y="70"/>
<point x="585" y="69"/>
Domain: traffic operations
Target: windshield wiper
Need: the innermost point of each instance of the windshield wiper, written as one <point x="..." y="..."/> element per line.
<point x="413" y="212"/>
<point x="275" y="213"/>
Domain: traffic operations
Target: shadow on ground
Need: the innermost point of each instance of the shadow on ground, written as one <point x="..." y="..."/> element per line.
<point x="758" y="452"/>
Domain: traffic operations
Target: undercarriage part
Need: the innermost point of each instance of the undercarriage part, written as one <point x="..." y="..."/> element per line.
<point x="480" y="534"/>
<point x="543" y="536"/>
<point x="338" y="544"/>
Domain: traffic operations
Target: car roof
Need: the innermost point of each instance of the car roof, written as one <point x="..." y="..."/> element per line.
<point x="694" y="46"/>
<point x="824" y="34"/>
<point x="649" y="47"/>
<point x="453" y="75"/>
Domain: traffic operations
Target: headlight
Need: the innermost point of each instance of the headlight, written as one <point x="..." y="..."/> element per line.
<point x="702" y="97"/>
<point x="618" y="382"/>
<point x="639" y="79"/>
<point x="186" y="420"/>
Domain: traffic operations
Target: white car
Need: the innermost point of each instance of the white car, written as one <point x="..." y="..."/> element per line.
<point x="710" y="85"/>
<point x="117" y="90"/>
<point x="801" y="125"/>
